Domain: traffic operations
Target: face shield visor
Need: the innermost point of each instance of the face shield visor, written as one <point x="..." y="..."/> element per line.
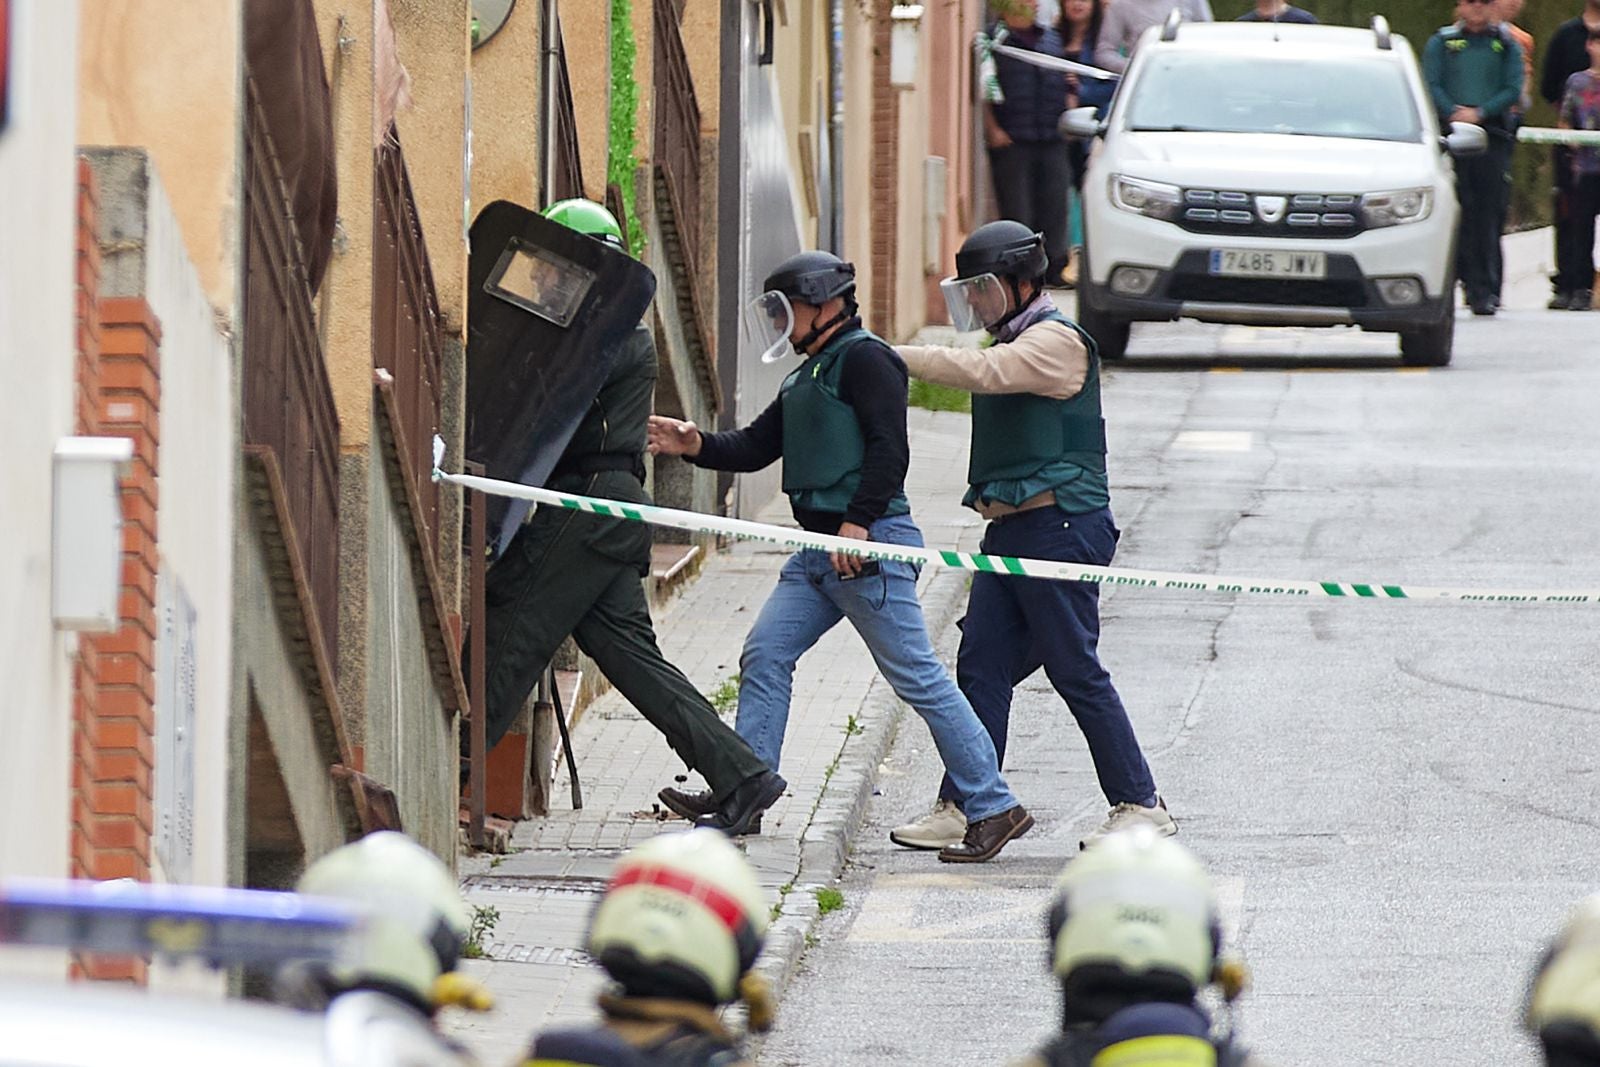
<point x="768" y="321"/>
<point x="974" y="303"/>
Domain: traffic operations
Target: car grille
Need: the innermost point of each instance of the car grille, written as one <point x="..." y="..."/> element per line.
<point x="1332" y="292"/>
<point x="1235" y="213"/>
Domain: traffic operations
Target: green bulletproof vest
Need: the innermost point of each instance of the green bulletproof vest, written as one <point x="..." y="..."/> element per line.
<point x="822" y="444"/>
<point x="1017" y="435"/>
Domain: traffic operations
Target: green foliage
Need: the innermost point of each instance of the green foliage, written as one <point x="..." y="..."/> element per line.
<point x="828" y="900"/>
<point x="1416" y="20"/>
<point x="939" y="397"/>
<point x="853" y="726"/>
<point x="622" y="153"/>
<point x="725" y="697"/>
<point x="484" y="919"/>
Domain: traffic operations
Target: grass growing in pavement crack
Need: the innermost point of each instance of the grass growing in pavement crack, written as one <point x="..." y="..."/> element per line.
<point x="725" y="697"/>
<point x="484" y="919"/>
<point x="828" y="900"/>
<point x="853" y="726"/>
<point x="783" y="891"/>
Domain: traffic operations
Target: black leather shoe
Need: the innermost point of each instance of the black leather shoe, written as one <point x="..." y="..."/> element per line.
<point x="689" y="805"/>
<point x="740" y="813"/>
<point x="986" y="837"/>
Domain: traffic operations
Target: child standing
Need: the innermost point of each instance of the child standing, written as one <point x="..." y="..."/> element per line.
<point x="1580" y="110"/>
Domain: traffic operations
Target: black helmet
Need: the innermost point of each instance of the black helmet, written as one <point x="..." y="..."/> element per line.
<point x="1004" y="249"/>
<point x="812" y="278"/>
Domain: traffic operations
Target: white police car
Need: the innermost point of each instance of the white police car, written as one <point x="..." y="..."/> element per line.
<point x="1270" y="174"/>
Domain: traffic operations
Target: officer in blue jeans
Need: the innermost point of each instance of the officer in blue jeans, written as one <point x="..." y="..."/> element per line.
<point x="1038" y="474"/>
<point x="839" y="425"/>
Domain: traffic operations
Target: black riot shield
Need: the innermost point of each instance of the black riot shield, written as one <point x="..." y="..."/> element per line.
<point x="547" y="307"/>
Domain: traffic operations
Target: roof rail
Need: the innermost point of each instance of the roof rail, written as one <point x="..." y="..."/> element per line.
<point x="1169" y="30"/>
<point x="1380" y="30"/>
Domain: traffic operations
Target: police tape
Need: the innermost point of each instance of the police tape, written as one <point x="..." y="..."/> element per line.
<point x="980" y="563"/>
<point x="1569" y="138"/>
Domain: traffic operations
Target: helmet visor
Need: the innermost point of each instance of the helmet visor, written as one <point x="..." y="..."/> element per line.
<point x="768" y="321"/>
<point x="974" y="303"/>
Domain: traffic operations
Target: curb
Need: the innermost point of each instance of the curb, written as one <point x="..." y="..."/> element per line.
<point x="826" y="842"/>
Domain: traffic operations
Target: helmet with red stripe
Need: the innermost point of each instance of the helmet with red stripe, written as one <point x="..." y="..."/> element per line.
<point x="683" y="917"/>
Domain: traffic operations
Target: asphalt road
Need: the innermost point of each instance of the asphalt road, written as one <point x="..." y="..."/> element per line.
<point x="1398" y="800"/>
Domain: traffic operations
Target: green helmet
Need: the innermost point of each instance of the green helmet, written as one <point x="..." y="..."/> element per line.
<point x="1563" y="1008"/>
<point x="417" y="922"/>
<point x="683" y="917"/>
<point x="588" y="217"/>
<point x="1134" y="918"/>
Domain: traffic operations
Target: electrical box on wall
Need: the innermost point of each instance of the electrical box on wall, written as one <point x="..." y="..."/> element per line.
<point x="905" y="32"/>
<point x="86" y="536"/>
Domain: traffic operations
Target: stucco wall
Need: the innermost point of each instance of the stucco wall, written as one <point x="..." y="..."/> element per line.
<point x="586" y="35"/>
<point x="410" y="742"/>
<point x="129" y="51"/>
<point x="37" y="361"/>
<point x="506" y="112"/>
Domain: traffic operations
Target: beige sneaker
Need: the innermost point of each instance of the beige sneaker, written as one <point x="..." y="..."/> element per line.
<point x="940" y="828"/>
<point x="1125" y="815"/>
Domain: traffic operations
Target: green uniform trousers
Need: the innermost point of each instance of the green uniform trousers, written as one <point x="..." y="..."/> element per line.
<point x="567" y="572"/>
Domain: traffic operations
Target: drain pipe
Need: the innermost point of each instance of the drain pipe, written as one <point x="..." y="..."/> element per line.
<point x="836" y="126"/>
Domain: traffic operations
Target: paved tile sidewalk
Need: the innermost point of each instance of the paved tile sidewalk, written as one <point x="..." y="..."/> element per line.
<point x="544" y="891"/>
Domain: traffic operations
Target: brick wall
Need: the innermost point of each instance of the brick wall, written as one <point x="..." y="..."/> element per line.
<point x="86" y="684"/>
<point x="885" y="181"/>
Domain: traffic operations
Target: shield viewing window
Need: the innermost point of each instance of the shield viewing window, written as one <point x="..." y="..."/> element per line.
<point x="538" y="280"/>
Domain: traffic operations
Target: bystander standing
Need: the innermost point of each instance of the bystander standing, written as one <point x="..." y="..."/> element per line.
<point x="1126" y="19"/>
<point x="1079" y="27"/>
<point x="1567" y="54"/>
<point x="1580" y="110"/>
<point x="1277" y="11"/>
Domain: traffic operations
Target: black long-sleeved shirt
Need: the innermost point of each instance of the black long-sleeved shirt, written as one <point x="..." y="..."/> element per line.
<point x="873" y="382"/>
<point x="1565" y="55"/>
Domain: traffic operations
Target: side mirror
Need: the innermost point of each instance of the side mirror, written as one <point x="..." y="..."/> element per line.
<point x="1081" y="124"/>
<point x="1465" y="139"/>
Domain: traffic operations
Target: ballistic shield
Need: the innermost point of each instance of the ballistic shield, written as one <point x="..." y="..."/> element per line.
<point x="548" y="307"/>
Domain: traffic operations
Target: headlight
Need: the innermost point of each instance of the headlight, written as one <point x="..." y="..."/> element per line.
<point x="1155" y="199"/>
<point x="1397" y="208"/>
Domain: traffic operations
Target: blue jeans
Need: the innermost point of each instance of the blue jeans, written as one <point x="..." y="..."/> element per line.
<point x="1015" y="625"/>
<point x="809" y="600"/>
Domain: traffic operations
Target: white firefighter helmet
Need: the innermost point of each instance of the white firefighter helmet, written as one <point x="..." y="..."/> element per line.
<point x="417" y="922"/>
<point x="1564" y="1002"/>
<point x="683" y="917"/>
<point x="1135" y="911"/>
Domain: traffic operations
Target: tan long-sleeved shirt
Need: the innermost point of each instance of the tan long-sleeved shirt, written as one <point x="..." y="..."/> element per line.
<point x="1048" y="359"/>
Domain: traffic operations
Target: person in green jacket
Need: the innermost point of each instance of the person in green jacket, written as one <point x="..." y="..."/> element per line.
<point x="1474" y="73"/>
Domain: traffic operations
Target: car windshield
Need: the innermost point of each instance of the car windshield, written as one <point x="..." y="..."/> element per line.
<point x="1195" y="92"/>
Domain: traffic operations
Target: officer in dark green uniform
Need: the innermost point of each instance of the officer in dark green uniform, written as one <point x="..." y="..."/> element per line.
<point x="570" y="572"/>
<point x="1474" y="73"/>
<point x="1038" y="474"/>
<point x="839" y="425"/>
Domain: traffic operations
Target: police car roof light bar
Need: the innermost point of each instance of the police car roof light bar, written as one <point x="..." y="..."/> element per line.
<point x="217" y="925"/>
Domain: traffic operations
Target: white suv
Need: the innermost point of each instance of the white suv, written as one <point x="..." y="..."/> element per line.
<point x="1272" y="175"/>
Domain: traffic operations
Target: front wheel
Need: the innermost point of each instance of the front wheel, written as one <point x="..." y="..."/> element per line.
<point x="1110" y="334"/>
<point x="1430" y="346"/>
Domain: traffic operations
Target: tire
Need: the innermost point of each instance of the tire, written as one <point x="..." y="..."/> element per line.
<point x="1110" y="334"/>
<point x="1430" y="346"/>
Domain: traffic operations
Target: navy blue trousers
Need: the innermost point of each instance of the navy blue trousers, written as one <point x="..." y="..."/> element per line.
<point x="1015" y="625"/>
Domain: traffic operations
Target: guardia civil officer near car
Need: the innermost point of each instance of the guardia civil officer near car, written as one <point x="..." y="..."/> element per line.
<point x="566" y="572"/>
<point x="839" y="425"/>
<point x="1135" y="938"/>
<point x="1037" y="472"/>
<point x="678" y="930"/>
<point x="1474" y="73"/>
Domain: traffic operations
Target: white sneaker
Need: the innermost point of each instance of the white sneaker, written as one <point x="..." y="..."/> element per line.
<point x="940" y="828"/>
<point x="1125" y="815"/>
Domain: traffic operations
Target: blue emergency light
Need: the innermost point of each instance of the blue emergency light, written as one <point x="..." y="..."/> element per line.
<point x="220" y="926"/>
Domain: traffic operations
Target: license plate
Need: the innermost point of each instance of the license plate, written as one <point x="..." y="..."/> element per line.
<point x="1256" y="263"/>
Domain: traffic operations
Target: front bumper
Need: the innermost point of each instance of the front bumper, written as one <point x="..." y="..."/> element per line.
<point x="1345" y="297"/>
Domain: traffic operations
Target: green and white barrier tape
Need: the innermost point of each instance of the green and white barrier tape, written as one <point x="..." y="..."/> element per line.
<point x="789" y="538"/>
<point x="1571" y="138"/>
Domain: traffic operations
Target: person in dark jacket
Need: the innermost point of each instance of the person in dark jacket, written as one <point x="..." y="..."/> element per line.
<point x="574" y="573"/>
<point x="839" y="426"/>
<point x="1277" y="11"/>
<point x="1567" y="54"/>
<point x="1474" y="73"/>
<point x="1027" y="156"/>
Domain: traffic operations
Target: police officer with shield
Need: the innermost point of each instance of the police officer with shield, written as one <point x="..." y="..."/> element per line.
<point x="1038" y="474"/>
<point x="839" y="425"/>
<point x="548" y="307"/>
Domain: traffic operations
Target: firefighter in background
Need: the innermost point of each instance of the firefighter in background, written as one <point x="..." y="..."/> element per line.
<point x="678" y="929"/>
<point x="1563" y="1009"/>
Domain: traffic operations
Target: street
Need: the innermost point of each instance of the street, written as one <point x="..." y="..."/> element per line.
<point x="1396" y="800"/>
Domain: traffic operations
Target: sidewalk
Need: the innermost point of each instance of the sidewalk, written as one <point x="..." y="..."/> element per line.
<point x="545" y="889"/>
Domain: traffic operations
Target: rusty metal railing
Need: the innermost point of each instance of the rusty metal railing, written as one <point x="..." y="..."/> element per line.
<point x="677" y="130"/>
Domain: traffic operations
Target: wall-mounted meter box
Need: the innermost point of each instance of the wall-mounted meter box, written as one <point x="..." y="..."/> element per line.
<point x="86" y="565"/>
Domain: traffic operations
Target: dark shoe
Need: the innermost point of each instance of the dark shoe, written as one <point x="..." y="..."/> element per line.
<point x="1582" y="300"/>
<point x="686" y="804"/>
<point x="986" y="837"/>
<point x="1484" y="308"/>
<point x="1562" y="301"/>
<point x="740" y="813"/>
